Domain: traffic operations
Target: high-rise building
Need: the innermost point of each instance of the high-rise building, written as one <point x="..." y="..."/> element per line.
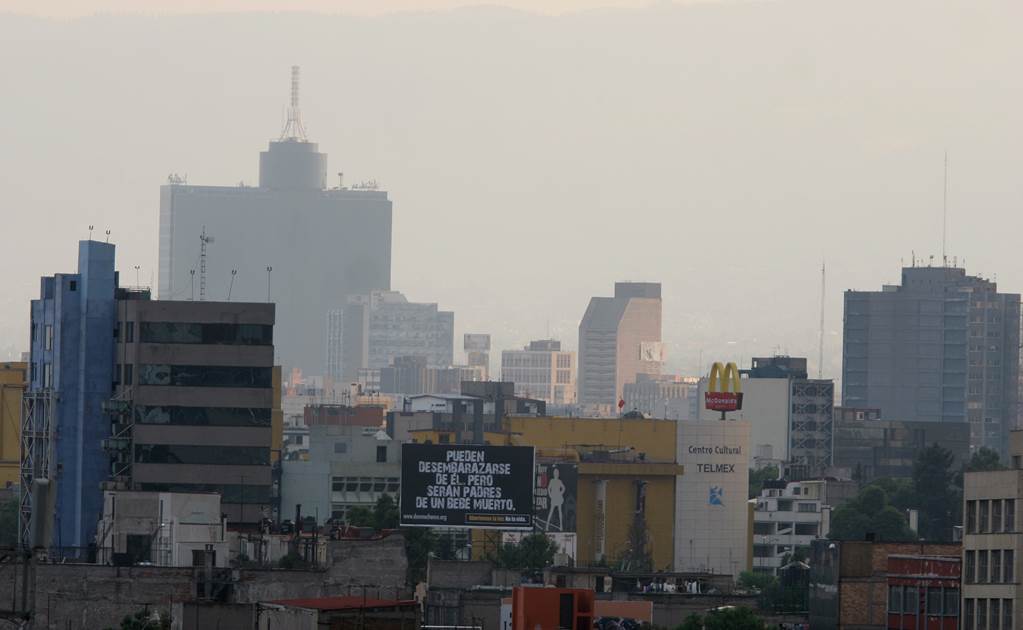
<point x="129" y="393"/>
<point x="619" y="337"/>
<point x="541" y="370"/>
<point x="477" y="352"/>
<point x="941" y="347"/>
<point x="380" y="326"/>
<point x="199" y="380"/>
<point x="290" y="239"/>
<point x="992" y="543"/>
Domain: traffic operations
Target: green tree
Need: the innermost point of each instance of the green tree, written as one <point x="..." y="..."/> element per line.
<point x="419" y="544"/>
<point x="360" y="516"/>
<point x="753" y="581"/>
<point x="692" y="622"/>
<point x="385" y="513"/>
<point x="984" y="459"/>
<point x="870" y="512"/>
<point x="738" y="618"/>
<point x="532" y="553"/>
<point x="934" y="482"/>
<point x="758" y="477"/>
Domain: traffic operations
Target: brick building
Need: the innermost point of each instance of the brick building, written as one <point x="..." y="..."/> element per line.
<point x="875" y="586"/>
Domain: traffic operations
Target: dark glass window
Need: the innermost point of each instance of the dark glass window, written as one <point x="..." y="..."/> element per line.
<point x="213" y="334"/>
<point x="129" y="332"/>
<point x="201" y="454"/>
<point x="381" y="454"/>
<point x="229" y="493"/>
<point x="205" y="376"/>
<point x="204" y="416"/>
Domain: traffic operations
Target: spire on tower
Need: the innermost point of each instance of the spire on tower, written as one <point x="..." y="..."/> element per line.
<point x="293" y="129"/>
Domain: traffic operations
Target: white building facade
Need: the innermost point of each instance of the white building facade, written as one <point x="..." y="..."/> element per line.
<point x="711" y="506"/>
<point x="787" y="517"/>
<point x="541" y="370"/>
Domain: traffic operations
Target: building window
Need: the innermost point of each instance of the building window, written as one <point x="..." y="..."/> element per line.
<point x="1010" y="515"/>
<point x="33" y="332"/>
<point x="1009" y="566"/>
<point x="1007" y="614"/>
<point x="784" y="506"/>
<point x="209" y="334"/>
<point x="996" y="566"/>
<point x="381" y="454"/>
<point x="73" y="285"/>
<point x="129" y="332"/>
<point x="763" y="551"/>
<point x="340" y="448"/>
<point x="203" y="416"/>
<point x="47" y="375"/>
<point x="968" y="606"/>
<point x="970" y="569"/>
<point x="982" y="573"/>
<point x="129" y="373"/>
<point x="996" y="515"/>
<point x="202" y="454"/>
<point x="807" y="507"/>
<point x="984" y="526"/>
<point x="763" y="529"/>
<point x="48" y="341"/>
<point x="951" y="602"/>
<point x="444" y="438"/>
<point x="393" y="485"/>
<point x="911" y="600"/>
<point x="806" y="529"/>
<point x="206" y="376"/>
<point x="894" y="599"/>
<point x="995" y="613"/>
<point x="934" y="601"/>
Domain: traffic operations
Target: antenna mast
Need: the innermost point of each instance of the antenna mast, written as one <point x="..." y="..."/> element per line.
<point x="820" y="347"/>
<point x="293" y="128"/>
<point x="944" y="216"/>
<point x="204" y="241"/>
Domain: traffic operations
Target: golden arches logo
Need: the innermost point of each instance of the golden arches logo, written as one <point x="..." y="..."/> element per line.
<point x="724" y="388"/>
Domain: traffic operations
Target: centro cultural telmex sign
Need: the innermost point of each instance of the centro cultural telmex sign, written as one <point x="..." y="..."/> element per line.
<point x="724" y="389"/>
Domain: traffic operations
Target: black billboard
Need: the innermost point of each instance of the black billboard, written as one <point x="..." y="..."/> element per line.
<point x="466" y="486"/>
<point x="555" y="497"/>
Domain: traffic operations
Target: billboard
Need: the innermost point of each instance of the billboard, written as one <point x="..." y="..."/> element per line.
<point x="555" y="496"/>
<point x="466" y="485"/>
<point x="727" y="396"/>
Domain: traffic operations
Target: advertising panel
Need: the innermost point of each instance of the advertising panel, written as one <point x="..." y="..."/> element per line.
<point x="466" y="486"/>
<point x="555" y="496"/>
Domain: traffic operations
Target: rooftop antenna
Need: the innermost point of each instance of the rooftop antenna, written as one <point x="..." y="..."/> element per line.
<point x="944" y="216"/>
<point x="108" y="236"/>
<point x="90" y="232"/>
<point x="234" y="272"/>
<point x="293" y="128"/>
<point x="820" y="347"/>
<point x="204" y="241"/>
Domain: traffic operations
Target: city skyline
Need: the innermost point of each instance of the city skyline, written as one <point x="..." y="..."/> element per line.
<point x="889" y="181"/>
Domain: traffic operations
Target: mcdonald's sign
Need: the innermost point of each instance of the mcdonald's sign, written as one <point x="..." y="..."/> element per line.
<point x="722" y="395"/>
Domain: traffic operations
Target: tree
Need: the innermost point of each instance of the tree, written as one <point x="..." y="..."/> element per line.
<point x="934" y="482"/>
<point x="532" y="553"/>
<point x="360" y="516"/>
<point x="385" y="513"/>
<point x="730" y="618"/>
<point x="984" y="459"/>
<point x="637" y="557"/>
<point x="758" y="477"/>
<point x="419" y="544"/>
<point x="870" y="512"/>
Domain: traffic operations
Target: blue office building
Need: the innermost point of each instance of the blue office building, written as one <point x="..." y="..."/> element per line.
<point x="72" y="357"/>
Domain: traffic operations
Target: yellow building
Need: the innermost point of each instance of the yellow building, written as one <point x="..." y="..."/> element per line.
<point x="12" y="386"/>
<point x="623" y="463"/>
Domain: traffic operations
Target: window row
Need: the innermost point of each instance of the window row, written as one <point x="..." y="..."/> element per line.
<point x="210" y="334"/>
<point x="201" y="454"/>
<point x="936" y="601"/>
<point x="987" y="516"/>
<point x="205" y="376"/>
<point x="204" y="416"/>
<point x="365" y="484"/>
<point x="987" y="614"/>
<point x="229" y="493"/>
<point x="997" y="566"/>
<point x="767" y="528"/>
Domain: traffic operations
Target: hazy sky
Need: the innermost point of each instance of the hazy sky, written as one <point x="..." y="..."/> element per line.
<point x="724" y="149"/>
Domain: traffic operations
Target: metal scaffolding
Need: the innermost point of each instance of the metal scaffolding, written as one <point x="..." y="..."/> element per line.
<point x="37" y="426"/>
<point x="812" y="426"/>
